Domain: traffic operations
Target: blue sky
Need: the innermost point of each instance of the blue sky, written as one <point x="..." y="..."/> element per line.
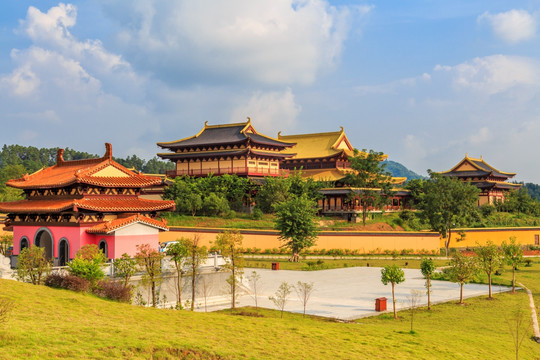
<point x="424" y="81"/>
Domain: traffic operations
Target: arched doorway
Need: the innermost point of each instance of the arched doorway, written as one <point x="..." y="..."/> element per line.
<point x="44" y="239"/>
<point x="104" y="248"/>
<point x="24" y="243"/>
<point x="63" y="252"/>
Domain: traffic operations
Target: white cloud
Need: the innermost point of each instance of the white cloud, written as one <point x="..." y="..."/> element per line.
<point x="494" y="74"/>
<point x="50" y="31"/>
<point x="482" y="136"/>
<point x="512" y="26"/>
<point x="66" y="92"/>
<point x="270" y="111"/>
<point x="280" y="42"/>
<point x="486" y="106"/>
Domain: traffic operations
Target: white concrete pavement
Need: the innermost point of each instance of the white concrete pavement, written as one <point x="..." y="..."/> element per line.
<point x="350" y="293"/>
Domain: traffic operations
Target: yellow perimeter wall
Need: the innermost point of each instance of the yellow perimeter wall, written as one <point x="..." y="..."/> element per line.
<point x="475" y="237"/>
<point x="364" y="242"/>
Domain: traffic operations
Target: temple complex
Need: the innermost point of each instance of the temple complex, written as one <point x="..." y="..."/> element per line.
<point x="80" y="202"/>
<point x="492" y="183"/>
<point x="227" y="149"/>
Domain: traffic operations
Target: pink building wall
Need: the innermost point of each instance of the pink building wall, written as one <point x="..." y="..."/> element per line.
<point x="128" y="244"/>
<point x="77" y="237"/>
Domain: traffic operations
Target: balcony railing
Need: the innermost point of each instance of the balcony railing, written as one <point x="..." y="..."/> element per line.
<point x="241" y="170"/>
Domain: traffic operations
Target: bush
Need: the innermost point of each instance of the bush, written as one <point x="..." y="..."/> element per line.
<point x="257" y="214"/>
<point x="487" y="210"/>
<point x="406" y="215"/>
<point x="215" y="204"/>
<point x="33" y="265"/>
<point x="113" y="290"/>
<point x="75" y="283"/>
<point x="54" y="280"/>
<point x="87" y="269"/>
<point x="231" y="214"/>
<point x="66" y="281"/>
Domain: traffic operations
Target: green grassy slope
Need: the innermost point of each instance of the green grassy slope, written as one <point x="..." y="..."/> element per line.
<point x="48" y="323"/>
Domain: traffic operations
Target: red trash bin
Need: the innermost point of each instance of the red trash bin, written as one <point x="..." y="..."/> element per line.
<point x="380" y="304"/>
<point x="275" y="266"/>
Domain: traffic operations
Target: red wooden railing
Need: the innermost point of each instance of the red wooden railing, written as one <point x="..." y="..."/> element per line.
<point x="241" y="170"/>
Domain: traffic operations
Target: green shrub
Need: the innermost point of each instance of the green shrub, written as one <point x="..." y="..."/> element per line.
<point x="88" y="264"/>
<point x="406" y="215"/>
<point x="256" y="214"/>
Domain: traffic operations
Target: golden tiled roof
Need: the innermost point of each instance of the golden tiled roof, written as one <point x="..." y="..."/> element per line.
<point x="319" y="144"/>
<point x="468" y="164"/>
<point x="324" y="174"/>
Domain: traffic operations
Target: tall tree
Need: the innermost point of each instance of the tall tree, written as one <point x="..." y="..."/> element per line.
<point x="462" y="270"/>
<point x="392" y="274"/>
<point x="447" y="203"/>
<point x="230" y="243"/>
<point x="179" y="253"/>
<point x="150" y="260"/>
<point x="427" y="266"/>
<point x="513" y="256"/>
<point x="295" y="221"/>
<point x="490" y="258"/>
<point x="371" y="178"/>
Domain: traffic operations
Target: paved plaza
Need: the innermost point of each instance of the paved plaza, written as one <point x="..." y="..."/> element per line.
<point x="350" y="293"/>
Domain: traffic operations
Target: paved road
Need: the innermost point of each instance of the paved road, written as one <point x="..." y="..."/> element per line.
<point x="350" y="293"/>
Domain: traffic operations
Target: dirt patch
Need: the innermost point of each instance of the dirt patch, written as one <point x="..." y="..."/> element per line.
<point x="378" y="227"/>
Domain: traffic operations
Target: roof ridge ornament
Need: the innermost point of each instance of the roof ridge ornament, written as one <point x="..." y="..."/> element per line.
<point x="59" y="156"/>
<point x="108" y="151"/>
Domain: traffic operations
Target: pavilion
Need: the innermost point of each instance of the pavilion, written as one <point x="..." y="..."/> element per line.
<point x="492" y="183"/>
<point x="80" y="202"/>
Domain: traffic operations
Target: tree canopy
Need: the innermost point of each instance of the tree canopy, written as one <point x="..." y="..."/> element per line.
<point x="447" y="203"/>
<point x="371" y="177"/>
<point x="295" y="221"/>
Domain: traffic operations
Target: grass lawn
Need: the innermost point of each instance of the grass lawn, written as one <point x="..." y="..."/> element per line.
<point x="385" y="222"/>
<point x="48" y="323"/>
<point x="322" y="264"/>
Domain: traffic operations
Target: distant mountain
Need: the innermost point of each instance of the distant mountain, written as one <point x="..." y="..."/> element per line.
<point x="398" y="170"/>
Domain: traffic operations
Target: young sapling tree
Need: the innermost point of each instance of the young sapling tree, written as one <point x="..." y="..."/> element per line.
<point x="392" y="274"/>
<point x="304" y="291"/>
<point x="490" y="258"/>
<point x="281" y="296"/>
<point x="427" y="267"/>
<point x="513" y="256"/>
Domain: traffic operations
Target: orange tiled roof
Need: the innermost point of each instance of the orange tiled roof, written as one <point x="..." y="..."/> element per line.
<point x="98" y="203"/>
<point x="113" y="225"/>
<point x="66" y="173"/>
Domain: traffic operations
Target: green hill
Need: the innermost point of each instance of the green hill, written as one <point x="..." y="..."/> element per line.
<point x="398" y="170"/>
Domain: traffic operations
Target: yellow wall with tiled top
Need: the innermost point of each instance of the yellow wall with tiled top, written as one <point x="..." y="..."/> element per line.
<point x="364" y="243"/>
<point x="475" y="237"/>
